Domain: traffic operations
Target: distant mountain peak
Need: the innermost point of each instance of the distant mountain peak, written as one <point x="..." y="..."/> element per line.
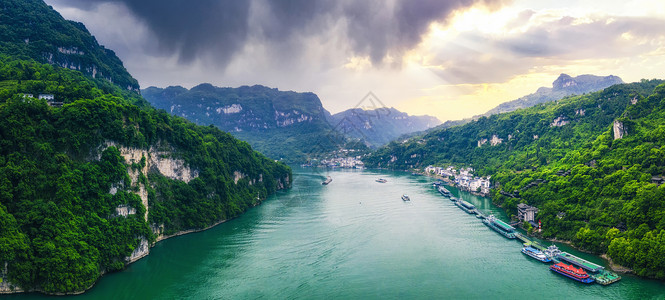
<point x="563" y="81"/>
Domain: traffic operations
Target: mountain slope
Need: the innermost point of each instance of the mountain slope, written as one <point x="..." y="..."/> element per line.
<point x="563" y="86"/>
<point x="86" y="188"/>
<point x="89" y="180"/>
<point x="380" y="126"/>
<point x="281" y="124"/>
<point x="586" y="162"/>
<point x="30" y="29"/>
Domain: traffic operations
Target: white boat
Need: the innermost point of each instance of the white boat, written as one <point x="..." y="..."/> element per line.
<point x="535" y="253"/>
<point x="406" y="198"/>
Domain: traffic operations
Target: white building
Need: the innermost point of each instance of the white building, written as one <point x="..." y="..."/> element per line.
<point x="46" y="96"/>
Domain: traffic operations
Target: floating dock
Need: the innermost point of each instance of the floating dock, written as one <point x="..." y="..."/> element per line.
<point x="582" y="263"/>
<point x="596" y="272"/>
<point x="605" y="277"/>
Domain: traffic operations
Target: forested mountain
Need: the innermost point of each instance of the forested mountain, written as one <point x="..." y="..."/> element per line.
<point x="379" y="126"/>
<point x="30" y="29"/>
<point x="88" y="179"/>
<point x="563" y="86"/>
<point x="280" y="124"/>
<point x="592" y="164"/>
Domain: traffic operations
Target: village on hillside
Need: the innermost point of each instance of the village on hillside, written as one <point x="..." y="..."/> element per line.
<point x="462" y="178"/>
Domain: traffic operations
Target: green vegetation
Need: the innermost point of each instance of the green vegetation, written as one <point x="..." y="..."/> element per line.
<point x="59" y="229"/>
<point x="283" y="125"/>
<point x="592" y="189"/>
<point x="30" y="29"/>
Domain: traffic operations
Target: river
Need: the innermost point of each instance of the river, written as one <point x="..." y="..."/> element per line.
<point x="352" y="239"/>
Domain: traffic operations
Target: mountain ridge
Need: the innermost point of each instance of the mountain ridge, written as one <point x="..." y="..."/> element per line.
<point x="34" y="30"/>
<point x="562" y="86"/>
<point x="381" y="125"/>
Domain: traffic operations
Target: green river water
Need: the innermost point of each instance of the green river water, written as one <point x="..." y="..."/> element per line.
<point x="353" y="239"/>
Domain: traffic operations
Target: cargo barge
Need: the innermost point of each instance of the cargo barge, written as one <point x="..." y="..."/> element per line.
<point x="466" y="206"/>
<point x="499" y="226"/>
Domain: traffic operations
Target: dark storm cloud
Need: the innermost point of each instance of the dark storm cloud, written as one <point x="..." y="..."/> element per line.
<point x="221" y="28"/>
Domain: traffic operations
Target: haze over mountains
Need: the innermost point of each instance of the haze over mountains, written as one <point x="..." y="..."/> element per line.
<point x="381" y="125"/>
<point x="283" y="124"/>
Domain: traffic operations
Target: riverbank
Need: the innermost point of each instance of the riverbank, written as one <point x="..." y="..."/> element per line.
<point x="452" y="183"/>
<point x="613" y="266"/>
<point x="7" y="288"/>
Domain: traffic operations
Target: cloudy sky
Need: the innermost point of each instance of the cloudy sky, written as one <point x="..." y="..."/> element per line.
<point x="448" y="58"/>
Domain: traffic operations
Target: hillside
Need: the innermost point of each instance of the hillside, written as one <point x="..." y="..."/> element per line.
<point x="592" y="164"/>
<point x="283" y="125"/>
<point x="30" y="29"/>
<point x="85" y="188"/>
<point x="563" y="86"/>
<point x="89" y="181"/>
<point x="380" y="126"/>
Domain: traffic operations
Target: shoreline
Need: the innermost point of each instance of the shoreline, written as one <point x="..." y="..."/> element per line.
<point x="613" y="266"/>
<point x="102" y="273"/>
<point x="449" y="182"/>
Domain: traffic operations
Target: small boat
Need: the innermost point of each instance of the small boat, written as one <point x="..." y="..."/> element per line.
<point x="381" y="180"/>
<point x="571" y="272"/>
<point x="535" y="253"/>
<point x="328" y="180"/>
<point x="406" y="198"/>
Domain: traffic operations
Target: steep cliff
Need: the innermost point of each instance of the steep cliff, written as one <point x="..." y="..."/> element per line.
<point x="87" y="186"/>
<point x="281" y="124"/>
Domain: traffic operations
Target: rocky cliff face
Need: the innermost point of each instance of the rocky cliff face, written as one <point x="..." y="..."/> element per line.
<point x="151" y="160"/>
<point x="280" y="124"/>
<point x="618" y="130"/>
<point x="255" y="108"/>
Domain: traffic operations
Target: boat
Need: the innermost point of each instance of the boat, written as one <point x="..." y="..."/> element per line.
<point x="453" y="199"/>
<point x="466" y="206"/>
<point x="381" y="180"/>
<point x="582" y="263"/>
<point x="328" y="180"/>
<point x="406" y="198"/>
<point x="443" y="191"/>
<point x="552" y="251"/>
<point x="571" y="272"/>
<point x="535" y="253"/>
<point x="500" y="226"/>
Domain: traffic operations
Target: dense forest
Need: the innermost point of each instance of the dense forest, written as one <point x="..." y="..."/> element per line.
<point x="30" y="29"/>
<point x="592" y="164"/>
<point x="283" y="125"/>
<point x="63" y="177"/>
